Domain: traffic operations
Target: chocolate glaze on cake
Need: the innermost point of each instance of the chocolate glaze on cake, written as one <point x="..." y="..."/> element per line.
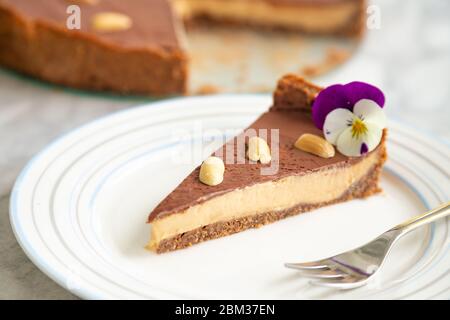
<point x="152" y="20"/>
<point x="291" y="115"/>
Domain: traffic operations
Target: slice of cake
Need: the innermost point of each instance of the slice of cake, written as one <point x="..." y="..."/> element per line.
<point x="289" y="167"/>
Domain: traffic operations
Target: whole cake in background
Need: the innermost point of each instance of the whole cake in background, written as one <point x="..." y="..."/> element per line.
<point x="139" y="46"/>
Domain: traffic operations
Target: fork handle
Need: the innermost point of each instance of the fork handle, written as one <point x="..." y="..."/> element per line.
<point x="423" y="219"/>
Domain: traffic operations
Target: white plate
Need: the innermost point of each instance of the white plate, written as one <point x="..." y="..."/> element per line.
<point x="79" y="210"/>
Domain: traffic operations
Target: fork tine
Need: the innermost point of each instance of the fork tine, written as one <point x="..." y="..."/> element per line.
<point x="323" y="274"/>
<point x="345" y="283"/>
<point x="318" y="265"/>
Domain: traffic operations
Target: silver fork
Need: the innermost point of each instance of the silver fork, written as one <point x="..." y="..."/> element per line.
<point x="357" y="267"/>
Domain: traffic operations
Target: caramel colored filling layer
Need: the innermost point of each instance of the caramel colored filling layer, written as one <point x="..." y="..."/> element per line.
<point x="314" y="188"/>
<point x="317" y="18"/>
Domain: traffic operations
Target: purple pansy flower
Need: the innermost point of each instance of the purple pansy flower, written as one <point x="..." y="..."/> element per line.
<point x="351" y="117"/>
<point x="343" y="96"/>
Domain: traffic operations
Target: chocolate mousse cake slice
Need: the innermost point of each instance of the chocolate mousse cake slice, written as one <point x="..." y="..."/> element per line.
<point x="122" y="46"/>
<point x="246" y="198"/>
<point x="326" y="17"/>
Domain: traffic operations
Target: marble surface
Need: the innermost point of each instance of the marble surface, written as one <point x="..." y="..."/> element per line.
<point x="408" y="57"/>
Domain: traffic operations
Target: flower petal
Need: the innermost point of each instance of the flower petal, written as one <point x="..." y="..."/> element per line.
<point x="357" y="90"/>
<point x="327" y="100"/>
<point x="351" y="146"/>
<point x="370" y="112"/>
<point x="336" y="122"/>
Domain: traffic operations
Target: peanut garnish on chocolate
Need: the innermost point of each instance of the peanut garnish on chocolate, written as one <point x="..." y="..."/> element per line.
<point x="212" y="171"/>
<point x="316" y="145"/>
<point x="111" y="21"/>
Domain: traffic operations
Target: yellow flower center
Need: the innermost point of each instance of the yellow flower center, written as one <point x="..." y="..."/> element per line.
<point x="358" y="128"/>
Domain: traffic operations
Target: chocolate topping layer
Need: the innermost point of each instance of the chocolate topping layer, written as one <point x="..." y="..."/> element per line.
<point x="153" y="21"/>
<point x="291" y="123"/>
<point x="292" y="161"/>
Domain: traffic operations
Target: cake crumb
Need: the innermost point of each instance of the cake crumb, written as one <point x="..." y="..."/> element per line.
<point x="207" y="89"/>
